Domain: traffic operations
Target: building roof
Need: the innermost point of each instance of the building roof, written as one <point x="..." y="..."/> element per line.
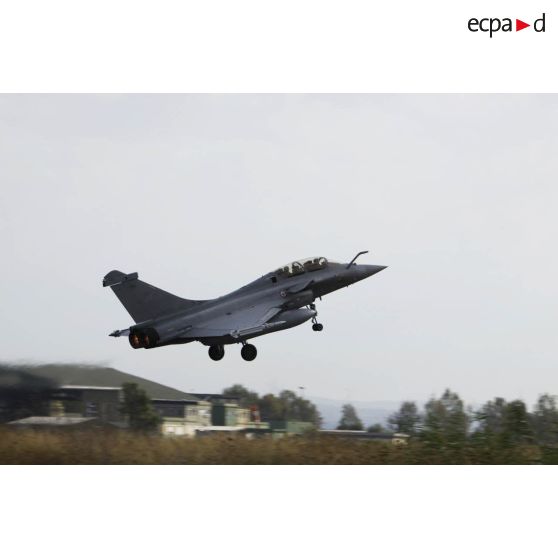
<point x="51" y="421"/>
<point x="98" y="388"/>
<point x="89" y="377"/>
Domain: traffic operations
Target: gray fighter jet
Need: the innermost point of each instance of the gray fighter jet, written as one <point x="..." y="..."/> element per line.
<point x="279" y="300"/>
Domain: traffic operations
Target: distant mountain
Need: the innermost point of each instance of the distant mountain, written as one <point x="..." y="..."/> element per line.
<point x="370" y="412"/>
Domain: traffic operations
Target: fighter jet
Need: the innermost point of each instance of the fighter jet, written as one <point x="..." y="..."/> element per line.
<point x="279" y="300"/>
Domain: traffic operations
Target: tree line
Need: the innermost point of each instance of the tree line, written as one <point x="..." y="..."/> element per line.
<point x="447" y="421"/>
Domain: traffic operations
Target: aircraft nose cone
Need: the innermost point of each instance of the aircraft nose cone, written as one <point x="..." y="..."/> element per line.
<point x="368" y="270"/>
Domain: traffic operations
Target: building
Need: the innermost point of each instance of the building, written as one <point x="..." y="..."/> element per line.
<point x="78" y="392"/>
<point x="226" y="411"/>
<point x="86" y="396"/>
<point x="228" y="416"/>
<point x="183" y="417"/>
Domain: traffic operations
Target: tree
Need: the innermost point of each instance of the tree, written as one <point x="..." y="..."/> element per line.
<point x="517" y="424"/>
<point x="491" y="416"/>
<point x="138" y="409"/>
<point x="509" y="423"/>
<point x="349" y="419"/>
<point x="288" y="406"/>
<point x="285" y="406"/>
<point x="245" y="396"/>
<point x="545" y="420"/>
<point x="298" y="408"/>
<point x="407" y="419"/>
<point x="272" y="408"/>
<point x="490" y="419"/>
<point x="445" y="421"/>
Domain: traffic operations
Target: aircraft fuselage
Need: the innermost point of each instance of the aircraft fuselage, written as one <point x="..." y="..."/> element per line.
<point x="278" y="300"/>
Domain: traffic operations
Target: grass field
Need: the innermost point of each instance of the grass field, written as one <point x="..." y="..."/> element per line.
<point x="91" y="447"/>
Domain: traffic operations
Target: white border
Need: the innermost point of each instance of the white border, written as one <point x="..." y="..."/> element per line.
<point x="277" y="511"/>
<point x="263" y="46"/>
<point x="288" y="46"/>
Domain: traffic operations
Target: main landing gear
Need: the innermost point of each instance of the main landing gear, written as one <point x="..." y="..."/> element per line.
<point x="315" y="325"/>
<point x="216" y="352"/>
<point x="248" y="352"/>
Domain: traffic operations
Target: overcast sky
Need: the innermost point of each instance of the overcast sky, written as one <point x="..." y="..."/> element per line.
<point x="203" y="194"/>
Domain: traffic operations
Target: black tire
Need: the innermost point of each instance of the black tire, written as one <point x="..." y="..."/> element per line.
<point x="317" y="327"/>
<point x="216" y="352"/>
<point x="248" y="352"/>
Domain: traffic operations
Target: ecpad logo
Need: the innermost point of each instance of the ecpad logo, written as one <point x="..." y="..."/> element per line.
<point x="493" y="25"/>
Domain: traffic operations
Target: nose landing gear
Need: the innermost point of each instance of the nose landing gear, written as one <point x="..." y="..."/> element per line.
<point x="315" y="325"/>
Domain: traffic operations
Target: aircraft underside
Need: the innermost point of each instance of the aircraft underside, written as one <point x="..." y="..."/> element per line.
<point x="149" y="338"/>
<point x="248" y="351"/>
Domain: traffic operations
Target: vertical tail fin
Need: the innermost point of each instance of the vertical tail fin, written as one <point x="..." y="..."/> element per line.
<point x="142" y="300"/>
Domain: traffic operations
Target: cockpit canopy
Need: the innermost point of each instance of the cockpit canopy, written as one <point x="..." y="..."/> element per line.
<point x="302" y="266"/>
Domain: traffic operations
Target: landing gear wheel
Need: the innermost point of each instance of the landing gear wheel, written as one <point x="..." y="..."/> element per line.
<point x="315" y="325"/>
<point x="249" y="352"/>
<point x="216" y="352"/>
